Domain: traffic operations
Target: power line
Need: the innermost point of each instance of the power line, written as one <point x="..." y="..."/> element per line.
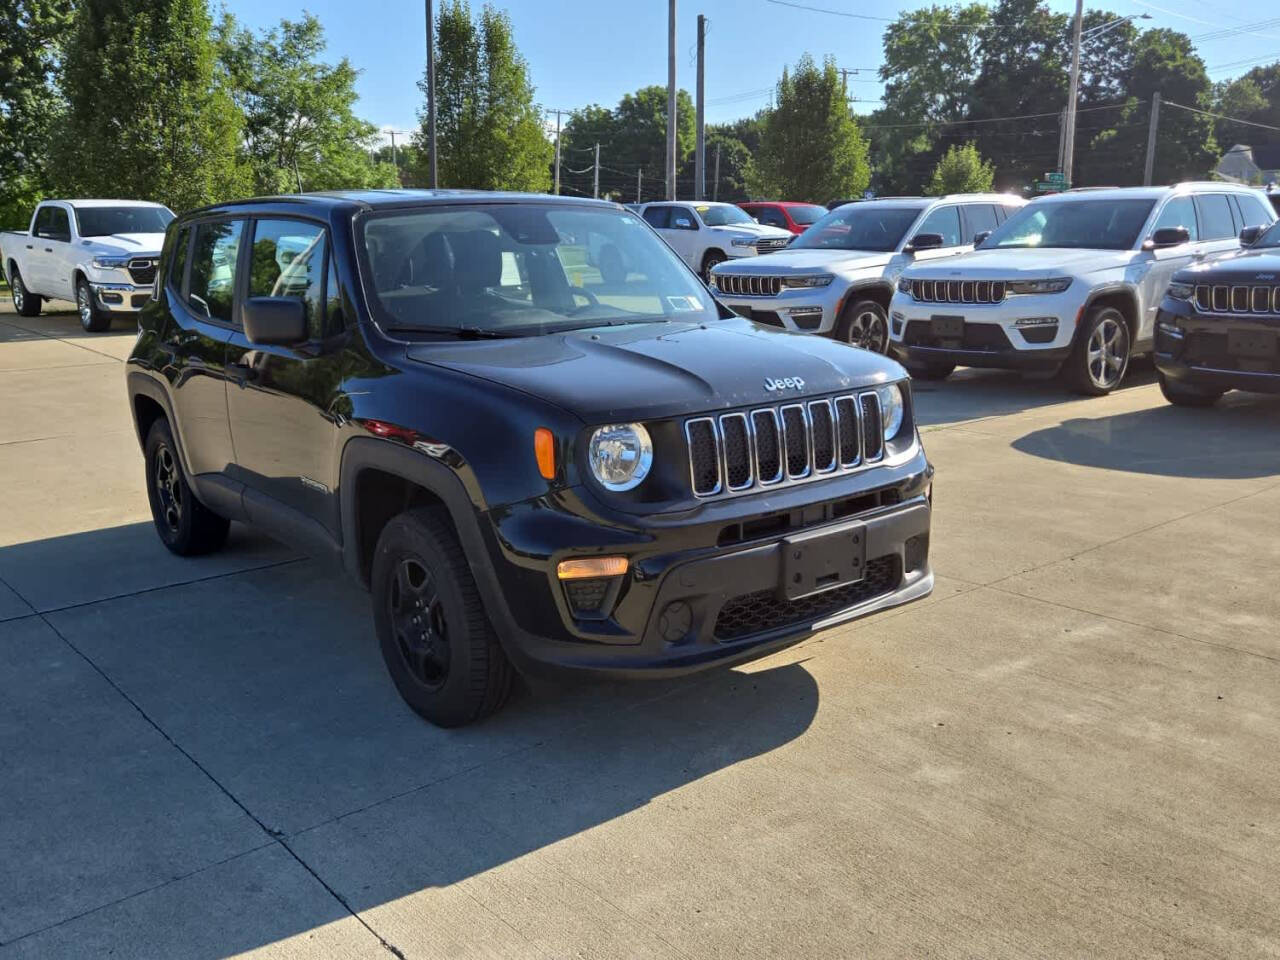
<point x="1021" y="116"/>
<point x="1218" y="116"/>
<point x="836" y="13"/>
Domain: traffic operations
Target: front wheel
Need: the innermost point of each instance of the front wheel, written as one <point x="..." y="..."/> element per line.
<point x="865" y="325"/>
<point x="1186" y="395"/>
<point x="91" y="318"/>
<point x="438" y="644"/>
<point x="25" y="303"/>
<point x="712" y="259"/>
<point x="1100" y="356"/>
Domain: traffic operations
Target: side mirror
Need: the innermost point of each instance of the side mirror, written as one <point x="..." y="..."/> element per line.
<point x="1249" y="234"/>
<point x="1169" y="237"/>
<point x="979" y="237"/>
<point x="274" y="320"/>
<point x="924" y="241"/>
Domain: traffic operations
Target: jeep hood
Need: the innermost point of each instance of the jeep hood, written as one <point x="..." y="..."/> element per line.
<point x="793" y="260"/>
<point x="656" y="370"/>
<point x="1029" y="263"/>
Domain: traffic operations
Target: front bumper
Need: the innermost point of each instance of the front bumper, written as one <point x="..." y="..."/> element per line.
<point x="1193" y="348"/>
<point x="121" y="297"/>
<point x="803" y="310"/>
<point x="704" y="590"/>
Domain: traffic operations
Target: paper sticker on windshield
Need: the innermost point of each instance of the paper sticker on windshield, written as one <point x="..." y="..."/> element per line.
<point x="683" y="304"/>
<point x="702" y="209"/>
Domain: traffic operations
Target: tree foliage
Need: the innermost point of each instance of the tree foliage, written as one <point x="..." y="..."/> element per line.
<point x="145" y="118"/>
<point x="489" y="131"/>
<point x="1254" y="97"/>
<point x="811" y="147"/>
<point x="961" y="170"/>
<point x="299" y="124"/>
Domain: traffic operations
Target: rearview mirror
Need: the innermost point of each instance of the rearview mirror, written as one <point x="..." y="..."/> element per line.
<point x="1169" y="237"/>
<point x="274" y="320"/>
<point x="924" y="241"/>
<point x="1249" y="234"/>
<point x="980" y="236"/>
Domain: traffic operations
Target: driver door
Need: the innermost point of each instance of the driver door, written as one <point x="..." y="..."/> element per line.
<point x="945" y="221"/>
<point x="1165" y="262"/>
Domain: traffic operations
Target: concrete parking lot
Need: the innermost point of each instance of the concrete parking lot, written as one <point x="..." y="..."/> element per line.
<point x="1068" y="751"/>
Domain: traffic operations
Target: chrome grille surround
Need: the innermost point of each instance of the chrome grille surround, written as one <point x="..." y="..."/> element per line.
<point x="748" y="285"/>
<point x="1237" y="298"/>
<point x="772" y="243"/>
<point x="787" y="443"/>
<point x="958" y="291"/>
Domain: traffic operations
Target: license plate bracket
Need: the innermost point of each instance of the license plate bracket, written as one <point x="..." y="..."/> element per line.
<point x="946" y="327"/>
<point x="823" y="560"/>
<point x="1252" y="344"/>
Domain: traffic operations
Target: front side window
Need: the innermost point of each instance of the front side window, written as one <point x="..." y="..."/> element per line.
<point x="1255" y="212"/>
<point x="211" y="292"/>
<point x="1216" y="222"/>
<point x="858" y="227"/>
<point x="288" y="260"/>
<point x="723" y="216"/>
<point x="1178" y="212"/>
<point x="521" y="270"/>
<point x="1089" y="224"/>
<point x="944" y="221"/>
<point x="106" y="221"/>
<point x="980" y="217"/>
<point x="682" y="219"/>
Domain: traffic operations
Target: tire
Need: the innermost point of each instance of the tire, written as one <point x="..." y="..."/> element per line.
<point x="1185" y="395"/>
<point x="91" y="318"/>
<point x="25" y="303"/>
<point x="185" y="525"/>
<point x="864" y="324"/>
<point x="439" y="646"/>
<point x="930" y="371"/>
<point x="710" y="259"/>
<point x="1100" y="356"/>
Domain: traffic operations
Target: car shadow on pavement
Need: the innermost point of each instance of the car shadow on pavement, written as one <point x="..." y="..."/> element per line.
<point x="1233" y="440"/>
<point x="971" y="394"/>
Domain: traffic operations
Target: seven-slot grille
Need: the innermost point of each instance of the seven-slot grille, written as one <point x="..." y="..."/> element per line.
<point x="142" y="270"/>
<point x="1237" y="298"/>
<point x="768" y="445"/>
<point x="741" y="285"/>
<point x="958" y="291"/>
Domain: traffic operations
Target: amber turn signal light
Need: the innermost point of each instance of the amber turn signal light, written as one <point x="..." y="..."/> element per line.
<point x="544" y="448"/>
<point x="591" y="567"/>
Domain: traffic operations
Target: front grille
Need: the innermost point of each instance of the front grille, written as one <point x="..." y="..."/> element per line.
<point x="743" y="285"/>
<point x="1238" y="298"/>
<point x="772" y="243"/>
<point x="764" y="610"/>
<point x="768" y="445"/>
<point x="142" y="271"/>
<point x="958" y="291"/>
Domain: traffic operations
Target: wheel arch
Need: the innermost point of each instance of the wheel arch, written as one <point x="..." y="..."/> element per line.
<point x="702" y="264"/>
<point x="148" y="402"/>
<point x="879" y="292"/>
<point x="1123" y="298"/>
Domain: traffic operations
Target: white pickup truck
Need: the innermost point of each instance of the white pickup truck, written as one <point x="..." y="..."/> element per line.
<point x="100" y="254"/>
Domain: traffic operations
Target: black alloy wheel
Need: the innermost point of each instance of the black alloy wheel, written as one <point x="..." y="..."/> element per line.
<point x="418" y="619"/>
<point x="185" y="525"/>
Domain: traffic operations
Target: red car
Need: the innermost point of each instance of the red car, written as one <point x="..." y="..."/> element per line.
<point x="796" y="217"/>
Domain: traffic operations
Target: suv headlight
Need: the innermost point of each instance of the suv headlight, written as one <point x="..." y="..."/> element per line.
<point x="1182" y="291"/>
<point x="812" y="280"/>
<point x="620" y="455"/>
<point x="904" y="285"/>
<point x="1056" y="285"/>
<point x="743" y="241"/>
<point x="110" y="263"/>
<point x="891" y="408"/>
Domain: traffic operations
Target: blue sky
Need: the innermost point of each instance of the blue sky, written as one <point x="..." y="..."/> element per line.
<point x="594" y="51"/>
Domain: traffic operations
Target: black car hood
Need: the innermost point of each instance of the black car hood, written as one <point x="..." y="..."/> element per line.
<point x="1254" y="267"/>
<point x="656" y="370"/>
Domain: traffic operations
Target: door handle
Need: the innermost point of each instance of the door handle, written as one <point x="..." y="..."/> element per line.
<point x="48" y="249"/>
<point x="1197" y="254"/>
<point x="31" y="246"/>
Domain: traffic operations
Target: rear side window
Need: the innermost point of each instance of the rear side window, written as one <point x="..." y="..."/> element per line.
<point x="1255" y="212"/>
<point x="288" y="260"/>
<point x="178" y="259"/>
<point x="980" y="217"/>
<point x="1215" y="217"/>
<point x="1178" y="212"/>
<point x="54" y="224"/>
<point x="214" y="260"/>
<point x="944" y="221"/>
<point x="657" y="216"/>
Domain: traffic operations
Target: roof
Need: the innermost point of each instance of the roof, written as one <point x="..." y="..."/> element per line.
<point x="85" y="204"/>
<point x="1141" y="193"/>
<point x="371" y="199"/>
<point x="778" y="203"/>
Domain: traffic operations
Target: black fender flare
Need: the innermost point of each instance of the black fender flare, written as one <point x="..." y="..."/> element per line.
<point x="857" y="292"/>
<point x="1106" y="290"/>
<point x="144" y="385"/>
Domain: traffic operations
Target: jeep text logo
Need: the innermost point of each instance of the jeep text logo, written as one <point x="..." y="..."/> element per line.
<point x="784" y="383"/>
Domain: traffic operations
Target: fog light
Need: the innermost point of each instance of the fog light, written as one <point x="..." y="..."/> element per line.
<point x="1169" y="329"/>
<point x="916" y="552"/>
<point x="587" y="597"/>
<point x="676" y="619"/>
<point x="112" y="298"/>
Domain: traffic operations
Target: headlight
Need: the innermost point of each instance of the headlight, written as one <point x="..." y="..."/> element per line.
<point x="110" y="263"/>
<point x="812" y="280"/>
<point x="743" y="241"/>
<point x="1182" y="291"/>
<point x="891" y="408"/>
<point x="1056" y="285"/>
<point x="904" y="285"/>
<point x="621" y="455"/>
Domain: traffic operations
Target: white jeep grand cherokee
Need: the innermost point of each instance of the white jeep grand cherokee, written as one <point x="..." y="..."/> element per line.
<point x="1070" y="282"/>
<point x="837" y="277"/>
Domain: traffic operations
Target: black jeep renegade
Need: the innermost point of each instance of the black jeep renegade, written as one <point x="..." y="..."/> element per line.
<point x="528" y="428"/>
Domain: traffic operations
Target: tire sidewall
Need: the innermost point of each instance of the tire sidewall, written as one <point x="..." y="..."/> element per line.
<point x="95" y="323"/>
<point x="712" y="259"/>
<point x="17" y="292"/>
<point x="1081" y="375"/>
<point x="179" y="541"/>
<point x="851" y="314"/>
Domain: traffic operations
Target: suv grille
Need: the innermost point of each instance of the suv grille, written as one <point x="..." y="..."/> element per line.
<point x="768" y="445"/>
<point x="1221" y="298"/>
<point x="741" y="285"/>
<point x="143" y="271"/>
<point x="958" y="291"/>
<point x="771" y="243"/>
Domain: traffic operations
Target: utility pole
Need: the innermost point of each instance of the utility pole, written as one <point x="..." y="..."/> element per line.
<point x="715" y="186"/>
<point x="1069" y="141"/>
<point x="394" y="162"/>
<point x="1151" y="139"/>
<point x="595" y="175"/>
<point x="431" y="99"/>
<point x="639" y="183"/>
<point x="844" y="80"/>
<point x="557" y="153"/>
<point x="1062" y="136"/>
<point x="671" y="99"/>
<point x="700" y="146"/>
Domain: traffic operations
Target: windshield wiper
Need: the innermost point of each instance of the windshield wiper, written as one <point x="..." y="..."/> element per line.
<point x="461" y="333"/>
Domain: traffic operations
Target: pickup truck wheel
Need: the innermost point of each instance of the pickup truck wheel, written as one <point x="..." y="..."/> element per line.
<point x="864" y="324"/>
<point x="712" y="258"/>
<point x="25" y="303"/>
<point x="438" y="644"/>
<point x="1100" y="356"/>
<point x="91" y="318"/>
<point x="1185" y="395"/>
<point x="186" y="526"/>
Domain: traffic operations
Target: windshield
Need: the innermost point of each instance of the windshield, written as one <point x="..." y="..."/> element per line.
<point x="506" y="269"/>
<point x="807" y="214"/>
<point x="723" y="216"/>
<point x="858" y="227"/>
<point x="1093" y="224"/>
<point x="105" y="221"/>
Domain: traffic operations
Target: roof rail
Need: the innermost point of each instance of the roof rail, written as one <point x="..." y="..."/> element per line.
<point x="1086" y="189"/>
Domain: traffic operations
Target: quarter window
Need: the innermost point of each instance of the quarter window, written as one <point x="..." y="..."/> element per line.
<point x="288" y="261"/>
<point x="213" y="269"/>
<point x="944" y="221"/>
<point x="1215" y="217"/>
<point x="1179" y="212"/>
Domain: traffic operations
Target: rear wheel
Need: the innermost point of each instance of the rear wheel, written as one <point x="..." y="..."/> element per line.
<point x="91" y="318"/>
<point x="438" y="644"/>
<point x="864" y="325"/>
<point x="1186" y="395"/>
<point x="25" y="303"/>
<point x="186" y="526"/>
<point x="1100" y="356"/>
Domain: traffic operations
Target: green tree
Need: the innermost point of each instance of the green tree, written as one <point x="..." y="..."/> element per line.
<point x="30" y="32"/>
<point x="299" y="123"/>
<point x="811" y="147"/>
<point x="489" y="130"/>
<point x="1247" y="99"/>
<point x="145" y="117"/>
<point x="633" y="139"/>
<point x="961" y="170"/>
